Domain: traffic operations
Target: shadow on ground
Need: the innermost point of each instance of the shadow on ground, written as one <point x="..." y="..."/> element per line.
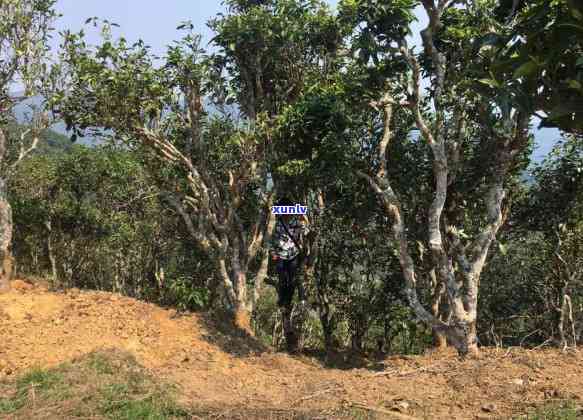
<point x="346" y="359"/>
<point x="222" y="332"/>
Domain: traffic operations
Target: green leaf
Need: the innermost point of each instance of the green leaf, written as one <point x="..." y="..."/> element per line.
<point x="490" y="82"/>
<point x="525" y="70"/>
<point x="576" y="13"/>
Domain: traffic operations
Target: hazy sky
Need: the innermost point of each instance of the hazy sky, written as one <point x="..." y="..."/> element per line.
<point x="155" y="22"/>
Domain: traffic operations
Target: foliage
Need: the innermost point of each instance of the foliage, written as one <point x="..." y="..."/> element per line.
<point x="25" y="30"/>
<point x="540" y="259"/>
<point x="307" y="84"/>
<point x="555" y="74"/>
<point x="108" y="383"/>
<point x="271" y="48"/>
<point x="107" y="228"/>
<point x="558" y="193"/>
<point x="25" y="27"/>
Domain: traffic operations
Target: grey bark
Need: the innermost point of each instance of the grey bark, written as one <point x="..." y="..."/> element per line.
<point x="51" y="253"/>
<point x="462" y="289"/>
<point x="210" y="210"/>
<point x="6" y="228"/>
<point x="461" y="282"/>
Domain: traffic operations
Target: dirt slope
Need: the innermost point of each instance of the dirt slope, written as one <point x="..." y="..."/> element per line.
<point x="40" y="328"/>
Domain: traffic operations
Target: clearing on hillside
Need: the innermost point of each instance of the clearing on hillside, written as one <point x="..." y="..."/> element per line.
<point x="58" y="352"/>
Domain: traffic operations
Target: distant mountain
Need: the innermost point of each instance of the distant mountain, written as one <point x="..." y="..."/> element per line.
<point x="50" y="142"/>
<point x="23" y="112"/>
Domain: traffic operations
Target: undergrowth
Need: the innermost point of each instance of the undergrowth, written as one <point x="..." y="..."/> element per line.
<point x="106" y="384"/>
<point x="565" y="410"/>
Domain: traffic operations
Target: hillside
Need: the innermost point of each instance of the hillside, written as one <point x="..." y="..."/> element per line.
<point x="222" y="375"/>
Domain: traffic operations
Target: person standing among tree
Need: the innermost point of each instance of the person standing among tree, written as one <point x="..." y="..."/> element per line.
<point x="286" y="252"/>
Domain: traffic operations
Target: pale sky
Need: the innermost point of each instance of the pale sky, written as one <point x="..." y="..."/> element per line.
<point x="155" y="22"/>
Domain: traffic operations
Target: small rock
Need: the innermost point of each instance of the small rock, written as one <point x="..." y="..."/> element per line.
<point x="489" y="407"/>
<point x="552" y="393"/>
<point x="518" y="382"/>
<point x="401" y="406"/>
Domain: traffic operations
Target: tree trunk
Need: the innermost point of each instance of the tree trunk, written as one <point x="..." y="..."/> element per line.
<point x="6" y="228"/>
<point x="462" y="335"/>
<point x="439" y="338"/>
<point x="328" y="325"/>
<point x="566" y="312"/>
<point x="236" y="291"/>
<point x="356" y="342"/>
<point x="359" y="330"/>
<point x="289" y="330"/>
<point x="325" y="311"/>
<point x="242" y="320"/>
<point x="51" y="253"/>
<point x="328" y="336"/>
<point x="387" y="338"/>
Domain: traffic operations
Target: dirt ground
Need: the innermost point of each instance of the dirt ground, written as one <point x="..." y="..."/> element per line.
<point x="215" y="370"/>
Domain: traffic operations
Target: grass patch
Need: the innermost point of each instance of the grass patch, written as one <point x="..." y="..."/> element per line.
<point x="34" y="388"/>
<point x="240" y="413"/>
<point x="566" y="410"/>
<point x="138" y="398"/>
<point x="107" y="384"/>
<point x="100" y="363"/>
<point x="360" y="414"/>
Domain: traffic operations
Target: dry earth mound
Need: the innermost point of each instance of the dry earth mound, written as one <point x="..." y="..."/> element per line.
<point x="225" y="374"/>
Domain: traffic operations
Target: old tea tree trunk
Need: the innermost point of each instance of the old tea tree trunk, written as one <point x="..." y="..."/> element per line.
<point x="30" y="138"/>
<point x="456" y="263"/>
<point x="212" y="210"/>
<point x="218" y="168"/>
<point x="6" y="226"/>
<point x="461" y="279"/>
<point x="5" y="238"/>
<point x="24" y="31"/>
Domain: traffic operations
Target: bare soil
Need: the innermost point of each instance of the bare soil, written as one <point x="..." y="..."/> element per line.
<point x="220" y="371"/>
